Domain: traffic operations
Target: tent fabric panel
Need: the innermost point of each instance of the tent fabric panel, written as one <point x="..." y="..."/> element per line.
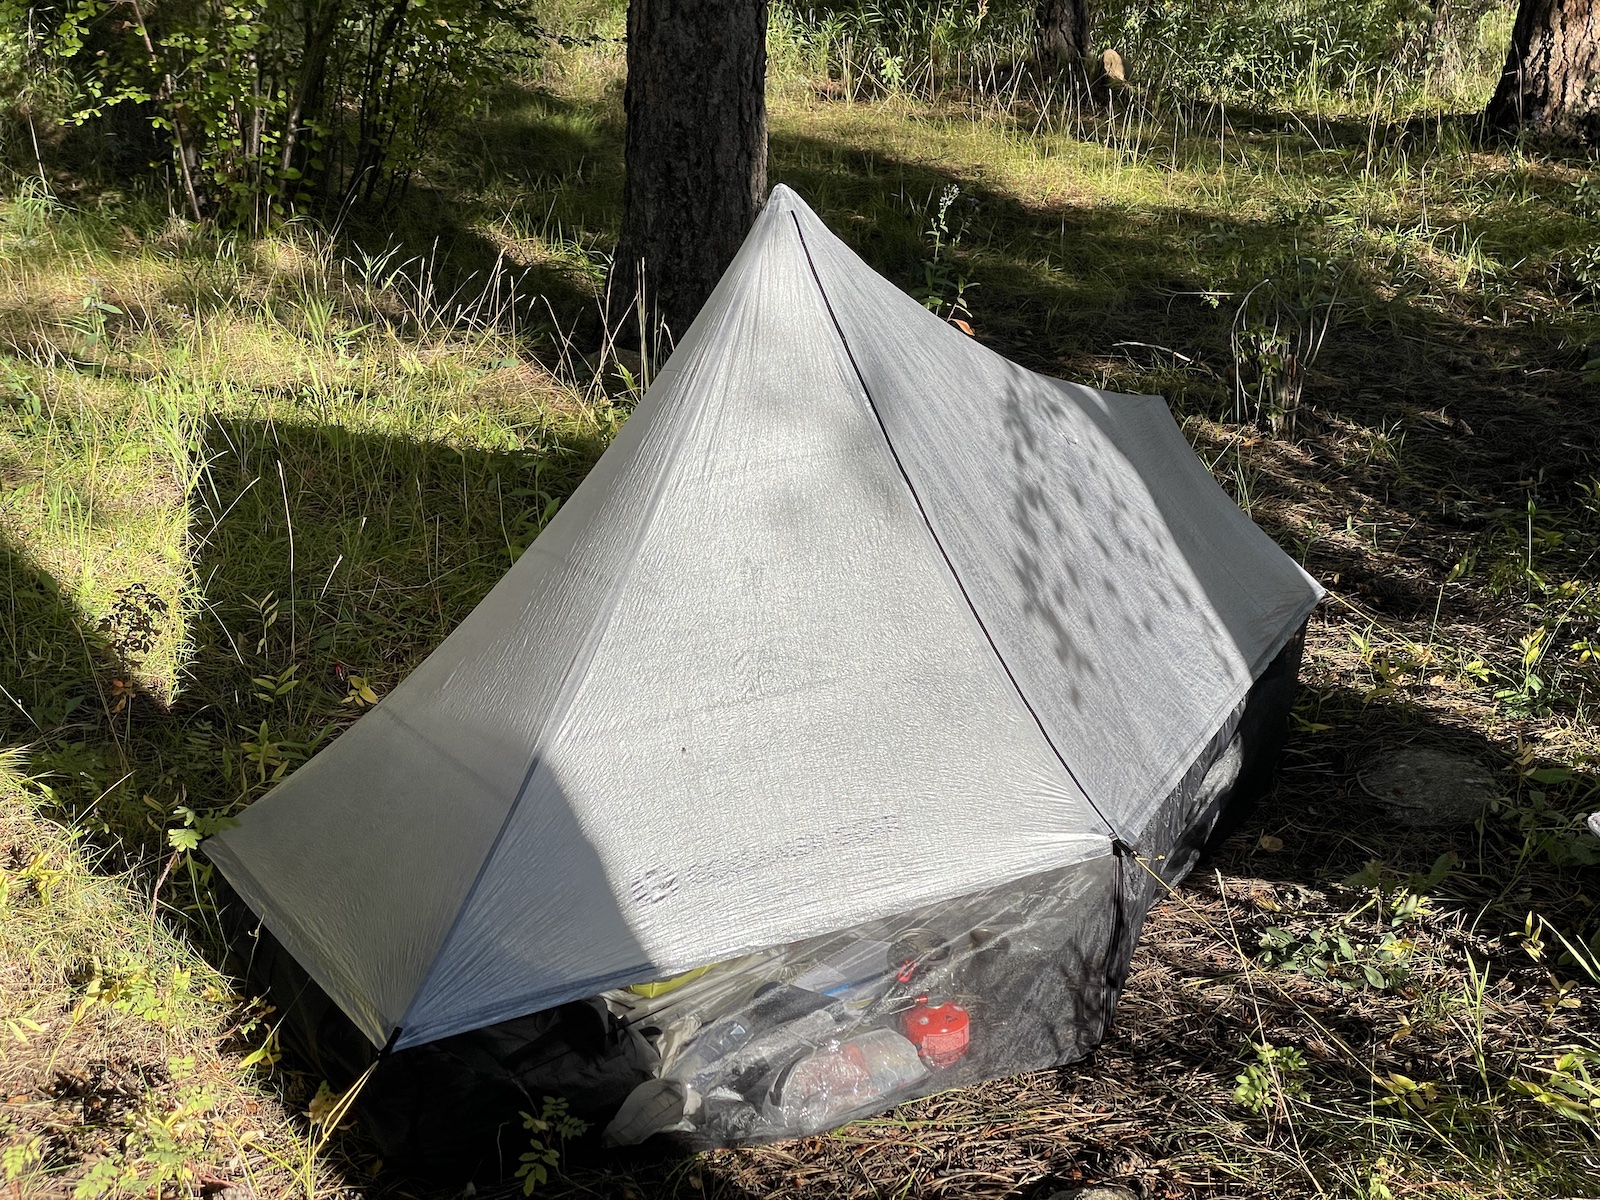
<point x="1233" y="771"/>
<point x="348" y="874"/>
<point x="361" y="860"/>
<point x="1261" y="596"/>
<point x="1236" y="769"/>
<point x="788" y="686"/>
<point x="1123" y="589"/>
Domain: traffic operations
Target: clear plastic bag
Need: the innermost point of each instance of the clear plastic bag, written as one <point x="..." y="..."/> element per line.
<point x="804" y="1037"/>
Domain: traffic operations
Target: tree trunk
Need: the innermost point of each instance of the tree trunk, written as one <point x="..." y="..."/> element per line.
<point x="320" y="19"/>
<point x="1551" y="82"/>
<point x="1062" y="35"/>
<point x="696" y="151"/>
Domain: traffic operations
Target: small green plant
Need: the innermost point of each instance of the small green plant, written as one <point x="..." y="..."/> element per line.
<point x="196" y="827"/>
<point x="1333" y="956"/>
<point x="1404" y="894"/>
<point x="21" y="1157"/>
<point x="1582" y="270"/>
<point x="1277" y="1072"/>
<point x="1545" y="810"/>
<point x="160" y="1138"/>
<point x="1585" y="958"/>
<point x="40" y="876"/>
<point x="270" y="754"/>
<point x="134" y="990"/>
<point x="361" y="693"/>
<point x="274" y="687"/>
<point x="944" y="290"/>
<point x="892" y="70"/>
<point x="266" y="610"/>
<point x="89" y="323"/>
<point x="550" y="1131"/>
<point x="1267" y="377"/>
<point x="1524" y="695"/>
<point x="1570" y="1085"/>
<point x="535" y="509"/>
<point x="1413" y="1096"/>
<point x="1586" y="195"/>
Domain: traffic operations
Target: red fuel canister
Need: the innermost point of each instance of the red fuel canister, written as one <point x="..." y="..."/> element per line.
<point x="940" y="1032"/>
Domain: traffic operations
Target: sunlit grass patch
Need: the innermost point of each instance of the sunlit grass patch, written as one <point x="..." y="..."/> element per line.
<point x="127" y="1064"/>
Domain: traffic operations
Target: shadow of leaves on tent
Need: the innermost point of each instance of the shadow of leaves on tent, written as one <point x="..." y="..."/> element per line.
<point x="1136" y="552"/>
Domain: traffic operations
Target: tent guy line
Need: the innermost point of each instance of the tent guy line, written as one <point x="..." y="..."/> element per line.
<point x="1119" y="844"/>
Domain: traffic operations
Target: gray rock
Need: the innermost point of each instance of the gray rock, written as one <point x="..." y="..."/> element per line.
<point x="1428" y="789"/>
<point x="1095" y="1191"/>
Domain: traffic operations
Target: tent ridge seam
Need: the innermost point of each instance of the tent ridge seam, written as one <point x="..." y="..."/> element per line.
<point x="950" y="565"/>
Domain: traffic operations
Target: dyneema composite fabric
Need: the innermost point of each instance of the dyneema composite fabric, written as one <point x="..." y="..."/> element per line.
<point x="855" y="620"/>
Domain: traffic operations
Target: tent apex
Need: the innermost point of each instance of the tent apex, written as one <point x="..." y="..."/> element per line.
<point x="784" y="198"/>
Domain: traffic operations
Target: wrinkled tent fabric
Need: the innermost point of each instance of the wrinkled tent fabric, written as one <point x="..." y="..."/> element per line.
<point x="854" y="616"/>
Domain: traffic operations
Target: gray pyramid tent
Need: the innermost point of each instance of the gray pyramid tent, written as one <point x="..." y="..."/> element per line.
<point x="855" y="622"/>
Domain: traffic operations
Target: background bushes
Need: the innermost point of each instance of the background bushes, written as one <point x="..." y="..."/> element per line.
<point x="249" y="108"/>
<point x="1262" y="52"/>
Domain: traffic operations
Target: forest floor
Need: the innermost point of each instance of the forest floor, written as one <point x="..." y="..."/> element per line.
<point x="249" y="483"/>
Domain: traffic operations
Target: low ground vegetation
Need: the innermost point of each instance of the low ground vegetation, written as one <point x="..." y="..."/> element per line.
<point x="250" y="481"/>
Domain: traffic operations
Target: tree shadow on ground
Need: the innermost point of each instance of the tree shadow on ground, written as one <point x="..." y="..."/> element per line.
<point x="61" y="677"/>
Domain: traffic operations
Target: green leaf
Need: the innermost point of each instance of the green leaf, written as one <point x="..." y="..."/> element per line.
<point x="100" y="1180"/>
<point x="187" y="839"/>
<point x="1549" y="775"/>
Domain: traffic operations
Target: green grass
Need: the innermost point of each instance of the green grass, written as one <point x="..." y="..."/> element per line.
<point x="248" y="484"/>
<point x="125" y="1052"/>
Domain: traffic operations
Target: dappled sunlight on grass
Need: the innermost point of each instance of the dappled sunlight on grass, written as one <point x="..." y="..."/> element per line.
<point x="120" y="1044"/>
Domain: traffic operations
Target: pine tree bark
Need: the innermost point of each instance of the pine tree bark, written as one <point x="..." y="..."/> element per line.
<point x="1061" y="34"/>
<point x="1551" y="81"/>
<point x="695" y="157"/>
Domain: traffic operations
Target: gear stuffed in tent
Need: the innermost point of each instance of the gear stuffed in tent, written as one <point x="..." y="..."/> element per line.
<point x="826" y="750"/>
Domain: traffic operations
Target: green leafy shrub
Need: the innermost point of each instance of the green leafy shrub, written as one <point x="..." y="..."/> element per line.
<point x="260" y="105"/>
